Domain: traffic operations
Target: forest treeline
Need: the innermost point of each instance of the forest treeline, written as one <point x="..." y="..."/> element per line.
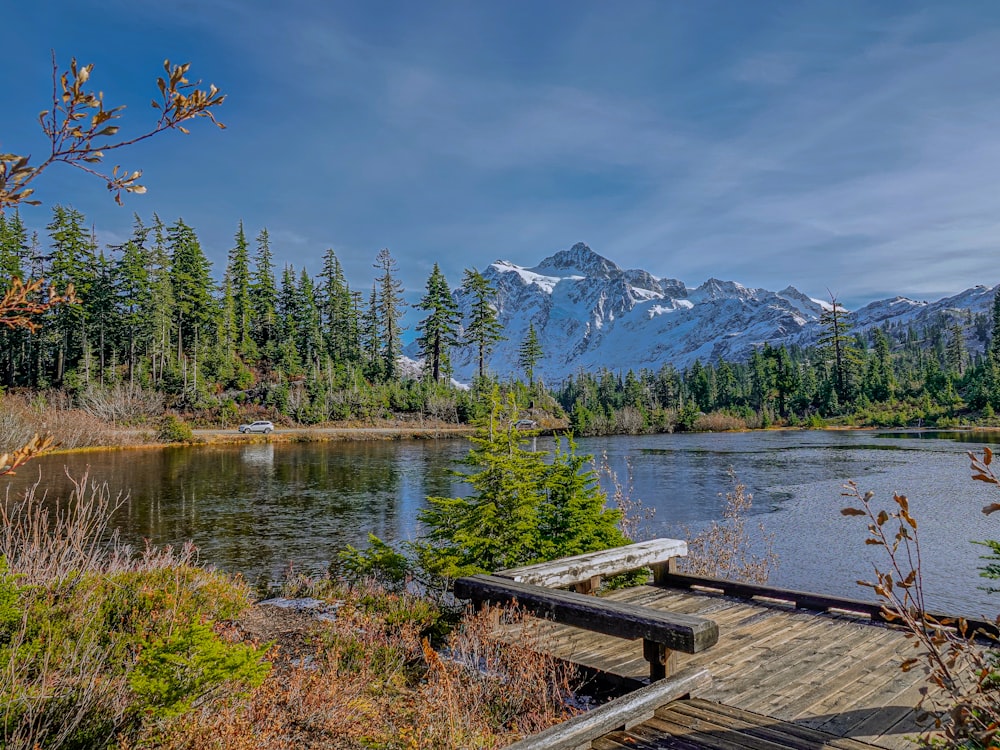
<point x="152" y="316"/>
<point x="890" y="376"/>
<point x="264" y="341"/>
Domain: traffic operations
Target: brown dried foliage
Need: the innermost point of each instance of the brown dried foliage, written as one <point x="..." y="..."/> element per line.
<point x="373" y="682"/>
<point x="961" y="697"/>
<point x="726" y="548"/>
<point x="63" y="425"/>
<point x="81" y="129"/>
<point x="21" y="304"/>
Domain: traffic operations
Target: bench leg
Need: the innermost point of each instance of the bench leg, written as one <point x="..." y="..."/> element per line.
<point x="662" y="660"/>
<point x="588" y="587"/>
<point x="662" y="571"/>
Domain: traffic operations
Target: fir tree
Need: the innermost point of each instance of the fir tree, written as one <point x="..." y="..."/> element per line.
<point x="133" y="293"/>
<point x="264" y="299"/>
<point x="238" y="270"/>
<point x="337" y="312"/>
<point x="439" y="330"/>
<point x="194" y="304"/>
<point x="529" y="354"/>
<point x="71" y="262"/>
<point x="390" y="304"/>
<point x="521" y="509"/>
<point x="843" y="355"/>
<point x="483" y="329"/>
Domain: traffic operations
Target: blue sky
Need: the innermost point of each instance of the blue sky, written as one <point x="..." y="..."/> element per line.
<point x="849" y="146"/>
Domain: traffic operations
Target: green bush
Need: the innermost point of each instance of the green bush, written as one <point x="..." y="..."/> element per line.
<point x="177" y="671"/>
<point x="174" y="430"/>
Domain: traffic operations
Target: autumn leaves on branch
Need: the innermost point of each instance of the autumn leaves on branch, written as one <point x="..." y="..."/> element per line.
<point x="80" y="130"/>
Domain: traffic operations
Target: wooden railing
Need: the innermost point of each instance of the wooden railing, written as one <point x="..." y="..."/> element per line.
<point x="806" y="600"/>
<point x="620" y="713"/>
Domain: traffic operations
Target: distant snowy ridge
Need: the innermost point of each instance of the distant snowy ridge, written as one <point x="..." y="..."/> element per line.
<point x="590" y="314"/>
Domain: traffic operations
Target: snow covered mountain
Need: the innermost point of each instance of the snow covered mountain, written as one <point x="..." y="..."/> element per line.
<point x="589" y="314"/>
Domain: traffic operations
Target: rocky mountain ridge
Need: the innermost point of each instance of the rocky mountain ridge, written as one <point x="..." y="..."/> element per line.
<point x="589" y="314"/>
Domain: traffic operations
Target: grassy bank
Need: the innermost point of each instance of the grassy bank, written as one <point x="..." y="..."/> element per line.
<point x="103" y="646"/>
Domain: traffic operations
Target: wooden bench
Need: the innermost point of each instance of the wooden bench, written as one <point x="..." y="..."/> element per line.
<point x="661" y="632"/>
<point x="584" y="572"/>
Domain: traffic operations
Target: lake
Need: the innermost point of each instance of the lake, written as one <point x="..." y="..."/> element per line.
<point x="258" y="508"/>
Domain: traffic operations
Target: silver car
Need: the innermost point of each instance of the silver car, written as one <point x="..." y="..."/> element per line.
<point x="260" y="426"/>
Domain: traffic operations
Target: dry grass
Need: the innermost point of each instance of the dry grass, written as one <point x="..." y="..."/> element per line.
<point x="22" y="418"/>
<point x="725" y="548"/>
<point x="78" y="608"/>
<point x="374" y="681"/>
<point x="718" y="421"/>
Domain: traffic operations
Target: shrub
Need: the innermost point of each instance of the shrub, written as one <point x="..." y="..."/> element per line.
<point x="80" y="612"/>
<point x="963" y="677"/>
<point x="725" y="549"/>
<point x="173" y="430"/>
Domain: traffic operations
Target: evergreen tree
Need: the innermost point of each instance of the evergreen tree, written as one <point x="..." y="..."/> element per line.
<point x="264" y="299"/>
<point x="161" y="300"/>
<point x="843" y="355"/>
<point x="133" y="292"/>
<point x="371" y="338"/>
<point x="289" y="356"/>
<point x="529" y="353"/>
<point x="483" y="329"/>
<point x="337" y="311"/>
<point x="238" y="270"/>
<point x="390" y="304"/>
<point x="71" y="262"/>
<point x="521" y="509"/>
<point x="309" y="337"/>
<point x="194" y="308"/>
<point x="439" y="330"/>
<point x="955" y="352"/>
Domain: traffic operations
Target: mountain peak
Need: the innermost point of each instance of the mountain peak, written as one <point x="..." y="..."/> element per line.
<point x="580" y="259"/>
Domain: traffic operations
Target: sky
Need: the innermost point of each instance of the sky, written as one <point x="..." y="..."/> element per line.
<point x="841" y="147"/>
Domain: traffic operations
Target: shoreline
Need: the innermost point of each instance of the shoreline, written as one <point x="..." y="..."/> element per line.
<point x="230" y="436"/>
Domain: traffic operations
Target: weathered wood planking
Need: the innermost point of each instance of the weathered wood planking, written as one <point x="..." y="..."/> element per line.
<point x="584" y="569"/>
<point x="687" y="633"/>
<point x="621" y="713"/>
<point x="830" y="672"/>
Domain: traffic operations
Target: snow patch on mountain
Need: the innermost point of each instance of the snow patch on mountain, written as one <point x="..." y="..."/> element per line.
<point x="589" y="314"/>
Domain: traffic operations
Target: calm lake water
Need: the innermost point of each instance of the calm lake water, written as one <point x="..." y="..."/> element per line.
<point x="257" y="508"/>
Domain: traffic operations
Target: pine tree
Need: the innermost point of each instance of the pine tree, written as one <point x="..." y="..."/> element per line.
<point x="72" y="262"/>
<point x="521" y="509"/>
<point x="483" y="329"/>
<point x="161" y="300"/>
<point x="309" y="337"/>
<point x="439" y="330"/>
<point x="194" y="304"/>
<point x="338" y="314"/>
<point x="133" y="292"/>
<point x="264" y="299"/>
<point x="371" y="337"/>
<point x="844" y="358"/>
<point x="529" y="354"/>
<point x="103" y="319"/>
<point x="289" y="356"/>
<point x="14" y="255"/>
<point x="238" y="270"/>
<point x="390" y="312"/>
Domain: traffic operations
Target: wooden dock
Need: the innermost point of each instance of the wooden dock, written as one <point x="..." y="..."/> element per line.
<point x="835" y="673"/>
